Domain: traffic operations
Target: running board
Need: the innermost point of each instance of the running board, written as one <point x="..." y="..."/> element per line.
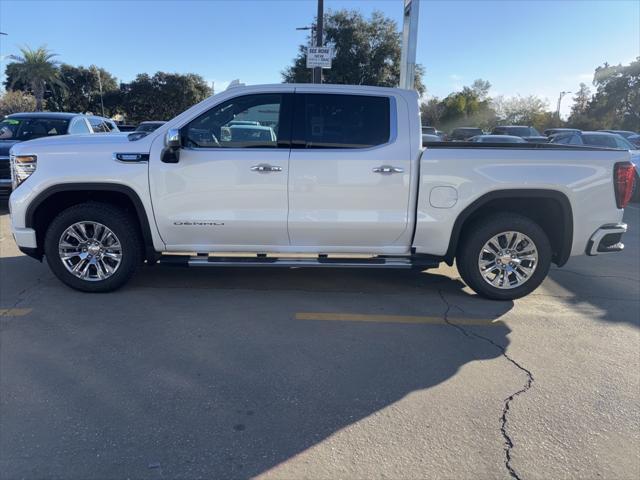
<point x="321" y="261"/>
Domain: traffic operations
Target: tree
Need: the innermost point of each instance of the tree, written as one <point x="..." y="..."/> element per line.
<point x="579" y="117"/>
<point x="431" y="111"/>
<point x="162" y="96"/>
<point x="83" y="90"/>
<point x="469" y="107"/>
<point x="616" y="103"/>
<point x="14" y="101"/>
<point x="367" y="52"/>
<point x="38" y="69"/>
<point x="530" y="110"/>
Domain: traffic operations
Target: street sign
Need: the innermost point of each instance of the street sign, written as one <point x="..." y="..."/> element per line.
<point x="319" y="57"/>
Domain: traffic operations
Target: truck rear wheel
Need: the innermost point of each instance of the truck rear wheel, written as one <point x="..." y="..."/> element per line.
<point x="93" y="247"/>
<point x="504" y="256"/>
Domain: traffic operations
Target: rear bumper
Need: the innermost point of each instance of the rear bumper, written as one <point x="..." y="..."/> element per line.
<point x="607" y="239"/>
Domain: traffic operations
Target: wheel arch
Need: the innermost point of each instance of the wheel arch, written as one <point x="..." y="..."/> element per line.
<point x="551" y="209"/>
<point x="51" y="201"/>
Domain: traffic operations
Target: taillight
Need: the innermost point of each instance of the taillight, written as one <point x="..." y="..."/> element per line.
<point x="624" y="179"/>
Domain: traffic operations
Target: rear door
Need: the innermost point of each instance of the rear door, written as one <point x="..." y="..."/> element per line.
<point x="349" y="176"/>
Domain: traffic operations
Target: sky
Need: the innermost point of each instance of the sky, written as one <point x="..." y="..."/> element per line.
<point x="521" y="47"/>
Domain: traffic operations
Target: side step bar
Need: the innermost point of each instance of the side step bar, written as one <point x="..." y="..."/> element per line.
<point x="320" y="261"/>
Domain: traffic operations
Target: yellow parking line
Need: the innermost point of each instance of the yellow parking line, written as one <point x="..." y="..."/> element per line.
<point x="15" y="312"/>
<point x="411" y="319"/>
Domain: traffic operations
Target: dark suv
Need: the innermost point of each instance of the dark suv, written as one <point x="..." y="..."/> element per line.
<point x="462" y="134"/>
<point x="530" y="134"/>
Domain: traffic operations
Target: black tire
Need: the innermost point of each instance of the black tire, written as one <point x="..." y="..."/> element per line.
<point x="118" y="221"/>
<point x="479" y="233"/>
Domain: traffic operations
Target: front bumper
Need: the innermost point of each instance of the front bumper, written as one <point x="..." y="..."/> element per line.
<point x="607" y="239"/>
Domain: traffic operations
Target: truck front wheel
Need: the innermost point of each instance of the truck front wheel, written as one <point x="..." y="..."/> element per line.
<point x="504" y="256"/>
<point x="93" y="247"/>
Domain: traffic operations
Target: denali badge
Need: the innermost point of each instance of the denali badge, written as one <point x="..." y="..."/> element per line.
<point x="199" y="223"/>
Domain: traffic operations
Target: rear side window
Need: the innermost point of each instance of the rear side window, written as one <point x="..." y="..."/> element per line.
<point x="342" y="121"/>
<point x="79" y="126"/>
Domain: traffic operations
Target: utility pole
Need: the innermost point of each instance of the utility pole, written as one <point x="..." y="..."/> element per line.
<point x="2" y="69"/>
<point x="317" y="72"/>
<point x="100" y="87"/>
<point x="562" y="94"/>
<point x="409" y="44"/>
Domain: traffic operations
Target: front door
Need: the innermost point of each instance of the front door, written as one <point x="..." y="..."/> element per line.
<point x="228" y="190"/>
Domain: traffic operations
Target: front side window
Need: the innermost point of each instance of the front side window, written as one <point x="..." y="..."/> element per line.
<point x="99" y="125"/>
<point x="250" y="121"/>
<point x="30" y="128"/>
<point x="342" y="121"/>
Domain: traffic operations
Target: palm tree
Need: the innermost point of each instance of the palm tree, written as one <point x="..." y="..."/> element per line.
<point x="38" y="69"/>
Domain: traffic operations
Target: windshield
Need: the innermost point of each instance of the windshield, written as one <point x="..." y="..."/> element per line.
<point x="30" y="128"/>
<point x="147" y="127"/>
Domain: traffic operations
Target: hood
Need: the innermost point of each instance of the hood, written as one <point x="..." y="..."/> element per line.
<point x="97" y="141"/>
<point x="5" y="146"/>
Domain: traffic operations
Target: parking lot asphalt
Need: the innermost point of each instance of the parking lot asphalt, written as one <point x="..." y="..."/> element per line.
<point x="314" y="373"/>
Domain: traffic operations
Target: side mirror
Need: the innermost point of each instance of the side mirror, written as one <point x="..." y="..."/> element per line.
<point x="173" y="138"/>
<point x="171" y="154"/>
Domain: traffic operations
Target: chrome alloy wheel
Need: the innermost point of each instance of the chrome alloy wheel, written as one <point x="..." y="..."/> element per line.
<point x="90" y="251"/>
<point x="508" y="260"/>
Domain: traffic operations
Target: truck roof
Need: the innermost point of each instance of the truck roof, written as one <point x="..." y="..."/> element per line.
<point x="59" y="115"/>
<point x="328" y="87"/>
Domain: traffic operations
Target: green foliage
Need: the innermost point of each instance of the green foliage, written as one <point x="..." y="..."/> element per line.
<point x="83" y="90"/>
<point x="162" y="96"/>
<point x="367" y="52"/>
<point x="37" y="70"/>
<point x="14" y="101"/>
<point x="616" y="103"/>
<point x="530" y="111"/>
<point x="469" y="107"/>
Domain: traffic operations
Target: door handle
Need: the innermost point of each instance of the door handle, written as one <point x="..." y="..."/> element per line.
<point x="386" y="169"/>
<point x="264" y="168"/>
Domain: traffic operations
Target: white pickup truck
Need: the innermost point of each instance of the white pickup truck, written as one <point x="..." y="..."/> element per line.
<point x="309" y="176"/>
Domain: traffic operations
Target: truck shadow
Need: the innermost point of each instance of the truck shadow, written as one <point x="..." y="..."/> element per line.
<point x="209" y="374"/>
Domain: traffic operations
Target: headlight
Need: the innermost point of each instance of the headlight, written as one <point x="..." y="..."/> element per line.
<point x="22" y="166"/>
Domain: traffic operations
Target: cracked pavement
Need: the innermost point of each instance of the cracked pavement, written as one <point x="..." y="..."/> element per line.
<point x="208" y="374"/>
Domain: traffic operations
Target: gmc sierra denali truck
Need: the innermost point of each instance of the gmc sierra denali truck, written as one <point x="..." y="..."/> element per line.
<point x="313" y="176"/>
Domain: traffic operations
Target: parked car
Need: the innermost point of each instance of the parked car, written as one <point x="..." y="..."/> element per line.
<point x="124" y="127"/>
<point x="102" y="124"/>
<point x="623" y="133"/>
<point x="19" y="127"/>
<point x="443" y="136"/>
<point x="429" y="131"/>
<point x="149" y="126"/>
<point x="426" y="138"/>
<point x="635" y="140"/>
<point x="593" y="139"/>
<point x="349" y="178"/>
<point x="530" y="134"/>
<point x="552" y="131"/>
<point x="462" y="134"/>
<point x="497" y="139"/>
<point x="604" y="140"/>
